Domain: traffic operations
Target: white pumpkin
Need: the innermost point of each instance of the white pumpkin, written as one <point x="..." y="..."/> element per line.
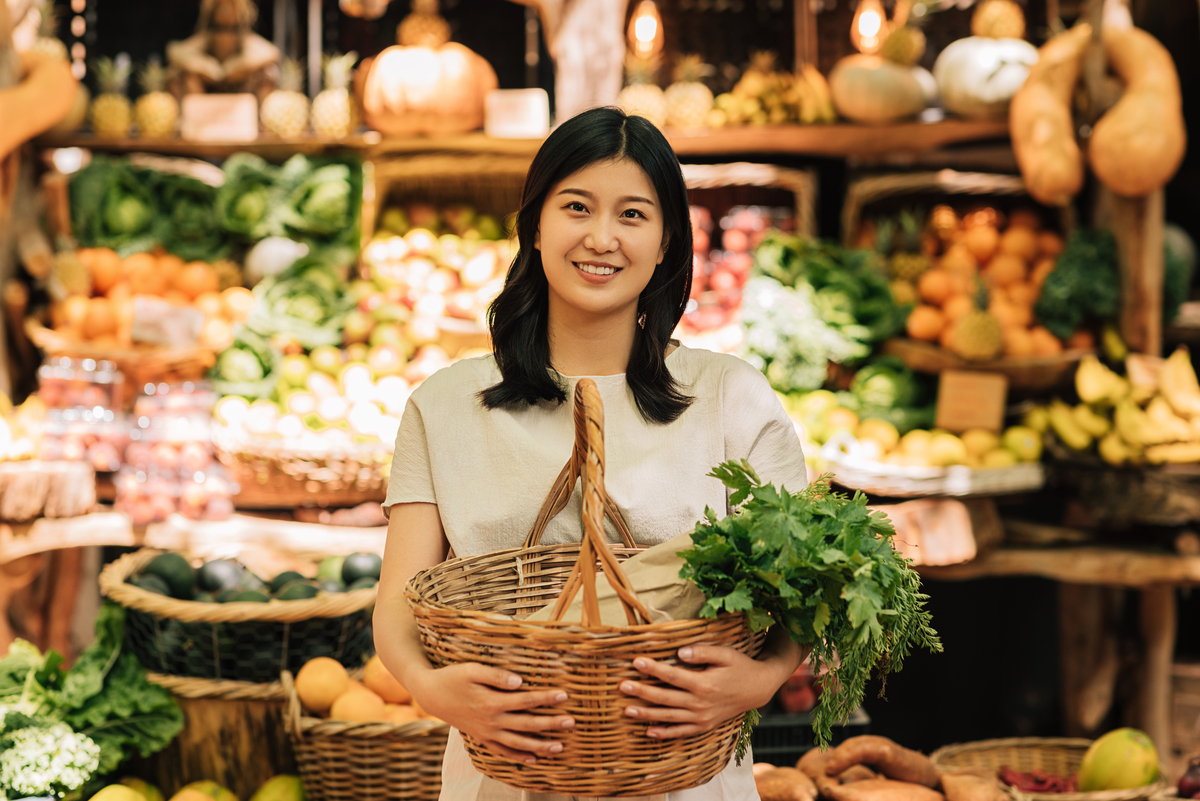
<point x="871" y="89"/>
<point x="977" y="77"/>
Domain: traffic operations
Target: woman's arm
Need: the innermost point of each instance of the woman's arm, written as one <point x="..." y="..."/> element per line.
<point x="476" y="699"/>
<point x="730" y="683"/>
<point x="39" y="102"/>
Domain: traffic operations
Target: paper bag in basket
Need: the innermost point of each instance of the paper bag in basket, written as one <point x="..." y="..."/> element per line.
<point x="654" y="574"/>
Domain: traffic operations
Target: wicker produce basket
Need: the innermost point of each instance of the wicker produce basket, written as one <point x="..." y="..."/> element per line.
<point x="1057" y="755"/>
<point x="461" y="608"/>
<point x="802" y="184"/>
<point x="272" y="473"/>
<point x="342" y="761"/>
<point x="1033" y="374"/>
<point x="249" y="642"/>
<point x="141" y="364"/>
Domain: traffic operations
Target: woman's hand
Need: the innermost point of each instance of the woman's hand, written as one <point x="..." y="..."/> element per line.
<point x="482" y="701"/>
<point x="730" y="684"/>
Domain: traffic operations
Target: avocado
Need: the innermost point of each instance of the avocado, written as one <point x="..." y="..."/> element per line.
<point x="152" y="583"/>
<point x="226" y="595"/>
<point x="218" y="575"/>
<point x="204" y="597"/>
<point x="360" y="565"/>
<point x="364" y="583"/>
<point x="330" y="568"/>
<point x="332" y="585"/>
<point x="175" y="571"/>
<point x="283" y="579"/>
<point x="298" y="590"/>
<point x="249" y="596"/>
<point x="252" y="582"/>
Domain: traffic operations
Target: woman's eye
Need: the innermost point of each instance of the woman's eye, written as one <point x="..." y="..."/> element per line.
<point x="633" y="214"/>
<point x="576" y="206"/>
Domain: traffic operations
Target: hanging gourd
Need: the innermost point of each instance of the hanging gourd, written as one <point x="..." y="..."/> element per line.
<point x="426" y="84"/>
<point x="978" y="76"/>
<point x="886" y="87"/>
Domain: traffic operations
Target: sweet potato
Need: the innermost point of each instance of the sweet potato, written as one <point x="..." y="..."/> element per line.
<point x="964" y="787"/>
<point x="883" y="790"/>
<point x="856" y="773"/>
<point x="1040" y="123"/>
<point x="885" y="756"/>
<point x="1139" y="143"/>
<point x="785" y="784"/>
<point x="812" y="764"/>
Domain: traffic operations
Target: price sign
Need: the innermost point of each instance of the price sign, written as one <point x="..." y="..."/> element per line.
<point x="968" y="399"/>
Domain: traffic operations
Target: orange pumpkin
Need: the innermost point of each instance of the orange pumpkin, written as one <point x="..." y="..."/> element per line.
<point x="426" y="84"/>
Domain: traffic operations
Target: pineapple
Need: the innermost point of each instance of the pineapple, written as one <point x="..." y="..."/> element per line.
<point x="285" y="111"/>
<point x="424" y="27"/>
<point x="641" y="96"/>
<point x="334" y="114"/>
<point x="759" y="78"/>
<point x="688" y="100"/>
<point x="998" y="19"/>
<point x="47" y="40"/>
<point x="157" y="110"/>
<point x="904" y="45"/>
<point x="112" y="113"/>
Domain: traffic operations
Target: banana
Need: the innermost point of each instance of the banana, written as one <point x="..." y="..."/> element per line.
<point x="1090" y="421"/>
<point x="1136" y="427"/>
<point x="824" y="96"/>
<point x="1159" y="412"/>
<point x="1095" y="383"/>
<point x="1178" y="383"/>
<point x="1117" y="451"/>
<point x="810" y="101"/>
<point x="1113" y="344"/>
<point x="1174" y="453"/>
<point x="1065" y="426"/>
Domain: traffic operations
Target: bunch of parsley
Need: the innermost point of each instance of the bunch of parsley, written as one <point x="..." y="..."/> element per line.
<point x="821" y="565"/>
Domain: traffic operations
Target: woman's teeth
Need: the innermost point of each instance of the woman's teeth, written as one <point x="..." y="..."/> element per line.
<point x="594" y="270"/>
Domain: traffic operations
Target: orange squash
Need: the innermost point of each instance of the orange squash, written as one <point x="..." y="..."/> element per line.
<point x="426" y="84"/>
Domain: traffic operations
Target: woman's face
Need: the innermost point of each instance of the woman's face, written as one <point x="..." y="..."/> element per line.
<point x="601" y="237"/>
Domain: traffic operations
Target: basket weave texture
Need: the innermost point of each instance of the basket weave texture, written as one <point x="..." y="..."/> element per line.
<point x="244" y="642"/>
<point x="460" y="606"/>
<point x="1058" y="755"/>
<point x="341" y="761"/>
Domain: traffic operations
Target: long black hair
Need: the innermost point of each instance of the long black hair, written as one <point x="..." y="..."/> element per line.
<point x="518" y="316"/>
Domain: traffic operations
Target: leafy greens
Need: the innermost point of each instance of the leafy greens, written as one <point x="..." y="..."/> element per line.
<point x="821" y="565"/>
<point x="1084" y="285"/>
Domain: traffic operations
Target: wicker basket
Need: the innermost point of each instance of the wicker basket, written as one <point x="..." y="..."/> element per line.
<point x="141" y="364"/>
<point x="342" y="761"/>
<point x="249" y="642"/>
<point x="272" y="474"/>
<point x="461" y="608"/>
<point x="1058" y="755"/>
<point x="802" y="184"/>
<point x="1033" y="374"/>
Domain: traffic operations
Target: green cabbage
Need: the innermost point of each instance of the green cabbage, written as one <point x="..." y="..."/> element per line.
<point x="247" y="367"/>
<point x="245" y="201"/>
<point x="113" y="205"/>
<point x="190" y="229"/>
<point x="306" y="302"/>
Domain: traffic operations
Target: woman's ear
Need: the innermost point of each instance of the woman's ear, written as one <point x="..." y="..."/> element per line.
<point x="537" y="239"/>
<point x="662" y="251"/>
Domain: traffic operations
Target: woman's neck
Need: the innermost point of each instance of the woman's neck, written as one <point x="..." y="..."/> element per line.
<point x="582" y="344"/>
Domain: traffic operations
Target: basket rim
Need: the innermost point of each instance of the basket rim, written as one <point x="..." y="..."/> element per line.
<point x="300" y="725"/>
<point x="195" y="687"/>
<point x="55" y="343"/>
<point x="113" y="585"/>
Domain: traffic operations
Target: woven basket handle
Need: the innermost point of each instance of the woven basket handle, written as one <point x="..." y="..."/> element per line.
<point x="589" y="440"/>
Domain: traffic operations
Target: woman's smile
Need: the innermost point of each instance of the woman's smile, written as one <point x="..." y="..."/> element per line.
<point x="597" y="272"/>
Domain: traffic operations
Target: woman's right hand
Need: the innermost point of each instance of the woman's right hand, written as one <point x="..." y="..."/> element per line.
<point x="484" y="702"/>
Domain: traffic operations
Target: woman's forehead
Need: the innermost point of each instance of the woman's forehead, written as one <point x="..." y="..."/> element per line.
<point x="619" y="174"/>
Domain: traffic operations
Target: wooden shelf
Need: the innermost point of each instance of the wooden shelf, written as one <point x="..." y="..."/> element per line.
<point x="834" y="141"/>
<point x="1097" y="565"/>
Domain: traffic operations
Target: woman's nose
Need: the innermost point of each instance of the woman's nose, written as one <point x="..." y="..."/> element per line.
<point x="602" y="236"/>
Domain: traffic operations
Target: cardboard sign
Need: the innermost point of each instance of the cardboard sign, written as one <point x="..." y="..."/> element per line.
<point x="159" y="322"/>
<point x="219" y="118"/>
<point x="968" y="399"/>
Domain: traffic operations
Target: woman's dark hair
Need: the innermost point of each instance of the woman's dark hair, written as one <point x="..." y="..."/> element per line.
<point x="518" y="316"/>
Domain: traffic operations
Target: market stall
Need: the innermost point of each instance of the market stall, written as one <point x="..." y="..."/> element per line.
<point x="243" y="268"/>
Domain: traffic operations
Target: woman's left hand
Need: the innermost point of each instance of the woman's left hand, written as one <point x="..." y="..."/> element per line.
<point x="699" y="700"/>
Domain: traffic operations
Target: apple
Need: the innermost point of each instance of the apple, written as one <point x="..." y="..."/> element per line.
<point x="461" y="304"/>
<point x="358" y="327"/>
<point x="422" y="331"/>
<point x="421" y="241"/>
<point x="430" y="305"/>
<point x="722" y="280"/>
<point x="442" y="281"/>
<point x="423" y="215"/>
<point x="735" y="240"/>
<point x="391" y="313"/>
<point x="395" y="220"/>
<point x="357" y="352"/>
<point x="739" y="263"/>
<point x="458" y="217"/>
<point x="327" y="359"/>
<point x="388" y="334"/>
<point x="480" y="268"/>
<point x="730" y="298"/>
<point x="700" y="241"/>
<point x="386" y="360"/>
<point x="356" y="381"/>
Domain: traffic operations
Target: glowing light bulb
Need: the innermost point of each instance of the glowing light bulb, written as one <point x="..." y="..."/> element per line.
<point x="870" y="26"/>
<point x="645" y="30"/>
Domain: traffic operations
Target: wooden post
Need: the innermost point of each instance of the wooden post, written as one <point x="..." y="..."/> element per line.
<point x="1137" y="224"/>
<point x="806" y="33"/>
<point x="1088" y="655"/>
<point x="1158" y="635"/>
<point x="15" y="576"/>
<point x="60" y="600"/>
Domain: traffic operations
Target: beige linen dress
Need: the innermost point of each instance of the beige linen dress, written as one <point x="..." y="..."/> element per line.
<point x="489" y="470"/>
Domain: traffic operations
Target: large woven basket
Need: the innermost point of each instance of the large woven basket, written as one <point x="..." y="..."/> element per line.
<point x="462" y="608"/>
<point x="1058" y="755"/>
<point x="341" y="761"/>
<point x="249" y="642"/>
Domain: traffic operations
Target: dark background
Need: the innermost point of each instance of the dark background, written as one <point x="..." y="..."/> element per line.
<point x="999" y="675"/>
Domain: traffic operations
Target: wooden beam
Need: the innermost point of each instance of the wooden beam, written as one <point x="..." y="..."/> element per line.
<point x="1158" y="647"/>
<point x="1087" y="655"/>
<point x="806" y="33"/>
<point x="1116" y="567"/>
<point x="1137" y="224"/>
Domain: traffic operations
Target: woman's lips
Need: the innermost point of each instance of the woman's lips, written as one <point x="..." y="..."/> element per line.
<point x="593" y="278"/>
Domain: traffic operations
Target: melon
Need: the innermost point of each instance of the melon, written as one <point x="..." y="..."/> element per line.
<point x="1120" y="760"/>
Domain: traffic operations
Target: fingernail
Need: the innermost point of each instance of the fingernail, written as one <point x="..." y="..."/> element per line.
<point x="626" y="687"/>
<point x="531" y="761"/>
<point x="640" y="664"/>
<point x="556" y="748"/>
<point x="514" y="682"/>
<point x="568" y="724"/>
<point x="685" y="653"/>
<point x="632" y="711"/>
<point x="652" y="733"/>
<point x="560" y="698"/>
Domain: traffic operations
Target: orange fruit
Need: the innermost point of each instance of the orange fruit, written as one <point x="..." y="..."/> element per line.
<point x="1025" y="218"/>
<point x="1041" y="271"/>
<point x="1010" y="314"/>
<point x="237" y="302"/>
<point x="1021" y="242"/>
<point x="925" y="323"/>
<point x="1082" y="339"/>
<point x="74" y="313"/>
<point x="1018" y="342"/>
<point x="106" y="268"/>
<point x="935" y="286"/>
<point x="1023" y="293"/>
<point x="947" y="335"/>
<point x="170" y="265"/>
<point x="176" y="297"/>
<point x="399" y="713"/>
<point x="357" y="705"/>
<point x="982" y="241"/>
<point x="1005" y="269"/>
<point x="209" y="304"/>
<point x="100" y="320"/>
<point x="957" y="259"/>
<point x="1045" y="343"/>
<point x="1050" y="244"/>
<point x="957" y="307"/>
<point x="379" y="680"/>
<point x="319" y="682"/>
<point x="195" y="278"/>
<point x="216" y="334"/>
<point x="141" y="270"/>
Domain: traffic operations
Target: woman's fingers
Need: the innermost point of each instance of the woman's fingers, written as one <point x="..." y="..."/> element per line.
<point x="536" y="723"/>
<point x="671" y="732"/>
<point x="660" y="696"/>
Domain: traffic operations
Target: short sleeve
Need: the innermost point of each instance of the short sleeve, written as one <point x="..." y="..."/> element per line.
<point x="412" y="474"/>
<point x="758" y="430"/>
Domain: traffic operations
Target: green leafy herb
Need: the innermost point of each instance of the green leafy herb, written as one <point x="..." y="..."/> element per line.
<point x="1084" y="285"/>
<point x="821" y="565"/>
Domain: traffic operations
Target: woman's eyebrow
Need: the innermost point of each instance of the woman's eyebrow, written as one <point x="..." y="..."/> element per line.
<point x="590" y="196"/>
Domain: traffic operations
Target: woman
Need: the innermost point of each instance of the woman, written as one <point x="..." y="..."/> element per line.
<point x="599" y="284"/>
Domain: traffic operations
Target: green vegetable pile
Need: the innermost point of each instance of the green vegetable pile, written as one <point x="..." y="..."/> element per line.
<point x="821" y="565"/>
<point x="307" y="303"/>
<point x="885" y="388"/>
<point x="1084" y="286"/>
<point x="247" y="367"/>
<point x="58" y="727"/>
<point x="113" y="205"/>
<point x="813" y="303"/>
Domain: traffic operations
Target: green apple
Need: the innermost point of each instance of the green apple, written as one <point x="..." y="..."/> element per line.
<point x="358" y="327"/>
<point x="394" y="220"/>
<point x="294" y="369"/>
<point x="386" y="360"/>
<point x="357" y="352"/>
<point x="387" y="334"/>
<point x="1024" y="441"/>
<point x="327" y="359"/>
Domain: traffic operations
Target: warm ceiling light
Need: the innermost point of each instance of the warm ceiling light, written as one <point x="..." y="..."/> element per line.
<point x="645" y="30"/>
<point x="869" y="27"/>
